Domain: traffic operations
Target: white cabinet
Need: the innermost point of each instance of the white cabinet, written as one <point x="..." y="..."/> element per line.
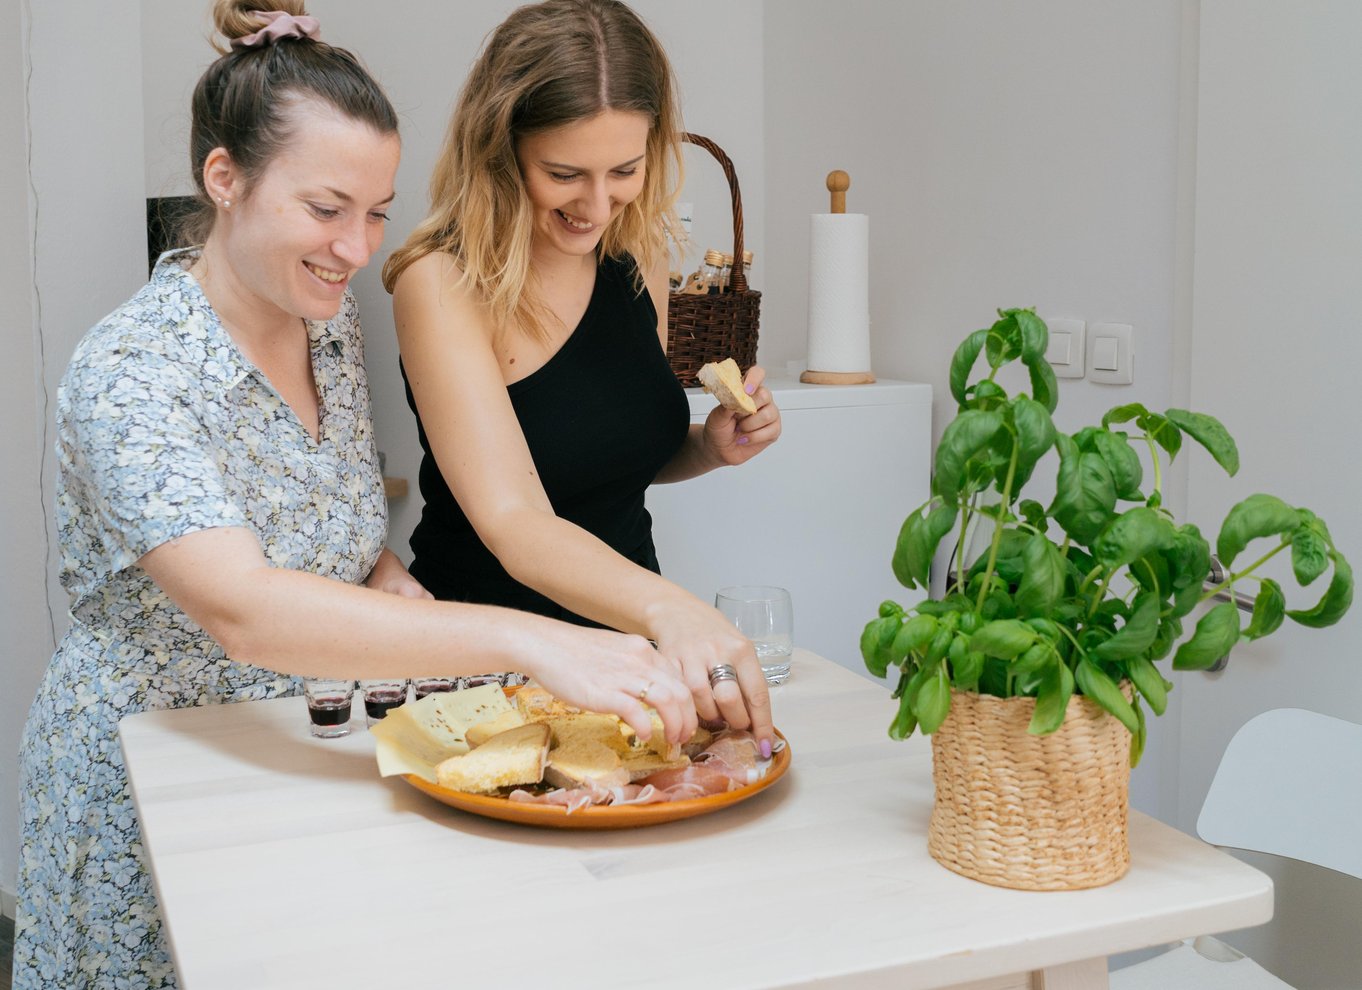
<point x="818" y="513"/>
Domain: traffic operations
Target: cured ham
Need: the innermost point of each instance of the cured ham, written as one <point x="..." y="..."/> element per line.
<point x="729" y="762"/>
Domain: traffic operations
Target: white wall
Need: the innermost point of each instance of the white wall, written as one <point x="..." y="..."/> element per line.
<point x="1275" y="352"/>
<point x="1007" y="155"/>
<point x="422" y="70"/>
<point x="77" y="182"/>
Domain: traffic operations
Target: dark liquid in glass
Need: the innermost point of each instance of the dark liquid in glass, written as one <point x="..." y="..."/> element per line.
<point x="330" y="715"/>
<point x="423" y="690"/>
<point x="378" y="705"/>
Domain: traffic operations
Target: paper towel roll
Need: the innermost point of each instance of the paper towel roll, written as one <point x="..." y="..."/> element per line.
<point x="839" y="293"/>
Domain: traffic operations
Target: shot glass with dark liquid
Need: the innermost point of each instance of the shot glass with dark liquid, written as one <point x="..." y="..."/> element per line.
<point x="478" y="680"/>
<point x="328" y="706"/>
<point x="422" y="686"/>
<point x="381" y="697"/>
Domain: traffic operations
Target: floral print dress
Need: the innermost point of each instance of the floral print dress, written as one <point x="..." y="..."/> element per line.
<point x="165" y="428"/>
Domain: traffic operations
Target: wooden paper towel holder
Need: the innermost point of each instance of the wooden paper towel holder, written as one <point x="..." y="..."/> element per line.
<point x="838" y="184"/>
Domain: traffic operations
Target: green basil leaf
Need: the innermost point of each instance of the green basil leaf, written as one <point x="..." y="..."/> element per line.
<point x="1124" y="414"/>
<point x="1162" y="432"/>
<point x="1135" y="533"/>
<point x="1095" y="683"/>
<point x="1044" y="385"/>
<point x="1189" y="564"/>
<point x="1035" y="659"/>
<point x="1052" y="700"/>
<point x="904" y="722"/>
<point x="917" y="543"/>
<point x="1269" y="609"/>
<point x="1215" y="635"/>
<point x="1256" y="516"/>
<point x="1035" y="435"/>
<point x="1138" y="633"/>
<point x="1085" y="494"/>
<point x="1035" y="336"/>
<point x="1004" y="342"/>
<point x="1211" y="434"/>
<point x="1138" y="739"/>
<point x="876" y="643"/>
<point x="1003" y="638"/>
<point x="914" y="634"/>
<point x="1149" y="682"/>
<point x="1309" y="555"/>
<point x="1033" y="513"/>
<point x="968" y="434"/>
<point x="1170" y="631"/>
<point x="1336" y="599"/>
<point x="934" y="701"/>
<point x="967" y="671"/>
<point x="963" y="362"/>
<point x="1042" y="578"/>
<point x="1126" y="471"/>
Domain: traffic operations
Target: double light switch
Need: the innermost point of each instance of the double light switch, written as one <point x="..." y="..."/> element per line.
<point x="1104" y="352"/>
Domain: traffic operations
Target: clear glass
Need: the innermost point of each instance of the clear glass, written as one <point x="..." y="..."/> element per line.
<point x="381" y="697"/>
<point x="765" y="615"/>
<point x="505" y="679"/>
<point x="422" y="686"/>
<point x="328" y="706"/>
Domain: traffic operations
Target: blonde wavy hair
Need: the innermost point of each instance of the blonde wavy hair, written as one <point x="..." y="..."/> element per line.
<point x="547" y="65"/>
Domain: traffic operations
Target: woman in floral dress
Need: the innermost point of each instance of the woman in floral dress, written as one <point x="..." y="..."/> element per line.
<point x="220" y="503"/>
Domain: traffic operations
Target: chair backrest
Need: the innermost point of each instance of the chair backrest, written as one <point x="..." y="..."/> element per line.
<point x="1290" y="784"/>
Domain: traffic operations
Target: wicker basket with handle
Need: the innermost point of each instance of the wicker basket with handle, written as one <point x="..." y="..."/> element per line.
<point x="708" y="328"/>
<point x="1030" y="812"/>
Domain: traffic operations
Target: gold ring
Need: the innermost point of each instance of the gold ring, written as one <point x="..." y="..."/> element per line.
<point x="643" y="695"/>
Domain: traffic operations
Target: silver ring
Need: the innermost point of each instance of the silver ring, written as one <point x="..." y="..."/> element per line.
<point x="722" y="672"/>
<point x="643" y="695"/>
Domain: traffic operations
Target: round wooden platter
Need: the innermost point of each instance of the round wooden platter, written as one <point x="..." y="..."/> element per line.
<point x="600" y="816"/>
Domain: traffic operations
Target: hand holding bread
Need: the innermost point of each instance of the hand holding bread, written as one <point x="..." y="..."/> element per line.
<point x="746" y="421"/>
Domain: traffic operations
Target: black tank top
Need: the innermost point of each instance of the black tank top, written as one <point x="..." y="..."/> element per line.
<point x="601" y="418"/>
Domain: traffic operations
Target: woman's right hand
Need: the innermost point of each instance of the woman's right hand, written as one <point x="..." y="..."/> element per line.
<point x="699" y="638"/>
<point x="615" y="673"/>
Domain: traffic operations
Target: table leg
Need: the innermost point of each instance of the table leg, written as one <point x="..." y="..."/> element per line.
<point x="1087" y="974"/>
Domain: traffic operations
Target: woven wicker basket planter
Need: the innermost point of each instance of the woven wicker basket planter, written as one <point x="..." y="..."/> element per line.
<point x="1030" y="812"/>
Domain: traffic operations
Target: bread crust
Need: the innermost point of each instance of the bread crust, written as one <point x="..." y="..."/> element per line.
<point x="723" y="380"/>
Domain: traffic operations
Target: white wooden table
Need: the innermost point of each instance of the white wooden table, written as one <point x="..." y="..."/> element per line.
<point x="284" y="861"/>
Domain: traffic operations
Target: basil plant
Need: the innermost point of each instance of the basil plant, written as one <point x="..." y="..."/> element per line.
<point x="1092" y="590"/>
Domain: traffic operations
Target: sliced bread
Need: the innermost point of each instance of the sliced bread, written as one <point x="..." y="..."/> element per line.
<point x="516" y="756"/>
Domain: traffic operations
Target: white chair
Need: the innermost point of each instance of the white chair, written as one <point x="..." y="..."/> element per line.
<point x="1289" y="784"/>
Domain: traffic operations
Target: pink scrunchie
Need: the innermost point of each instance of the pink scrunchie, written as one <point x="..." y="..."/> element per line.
<point x="279" y="24"/>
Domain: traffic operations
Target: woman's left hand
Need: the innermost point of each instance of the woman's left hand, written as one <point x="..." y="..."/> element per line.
<point x="390" y="577"/>
<point x="733" y="438"/>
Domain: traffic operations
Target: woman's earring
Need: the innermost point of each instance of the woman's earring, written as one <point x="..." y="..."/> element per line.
<point x="226" y="203"/>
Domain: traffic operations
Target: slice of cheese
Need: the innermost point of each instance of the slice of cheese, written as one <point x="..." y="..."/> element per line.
<point x="516" y="756"/>
<point x="419" y="735"/>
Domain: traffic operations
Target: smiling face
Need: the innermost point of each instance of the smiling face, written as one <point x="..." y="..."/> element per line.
<point x="311" y="219"/>
<point x="579" y="177"/>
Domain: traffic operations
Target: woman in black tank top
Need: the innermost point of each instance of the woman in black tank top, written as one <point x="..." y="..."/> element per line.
<point x="531" y="314"/>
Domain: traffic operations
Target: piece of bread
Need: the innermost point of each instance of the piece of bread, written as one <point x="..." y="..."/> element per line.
<point x="642" y="762"/>
<point x="478" y="734"/>
<point x="516" y="756"/>
<point x="723" y="380"/>
<point x="588" y="727"/>
<point x="657" y="742"/>
<point x="584" y="760"/>
<point x="536" y="704"/>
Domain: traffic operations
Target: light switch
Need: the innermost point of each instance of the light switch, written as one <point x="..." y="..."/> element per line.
<point x="1104" y="353"/>
<point x="1065" y="352"/>
<point x="1111" y="354"/>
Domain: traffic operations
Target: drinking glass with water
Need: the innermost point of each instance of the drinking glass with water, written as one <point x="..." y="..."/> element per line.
<point x="765" y="615"/>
